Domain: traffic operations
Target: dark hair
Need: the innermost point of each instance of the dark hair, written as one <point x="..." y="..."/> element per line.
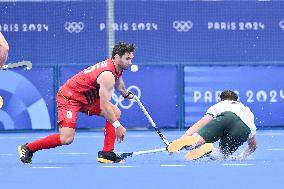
<point x="121" y="48"/>
<point x="229" y="95"/>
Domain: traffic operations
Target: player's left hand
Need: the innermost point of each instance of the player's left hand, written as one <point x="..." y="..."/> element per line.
<point x="120" y="133"/>
<point x="129" y="95"/>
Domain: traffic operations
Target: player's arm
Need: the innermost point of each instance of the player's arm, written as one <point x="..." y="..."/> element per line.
<point x="4" y="49"/>
<point x="210" y="114"/>
<point x="249" y="150"/>
<point x="198" y="125"/>
<point x="252" y="144"/>
<point x="120" y="87"/>
<point x="107" y="81"/>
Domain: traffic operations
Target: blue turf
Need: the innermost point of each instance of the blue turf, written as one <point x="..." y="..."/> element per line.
<point x="55" y="169"/>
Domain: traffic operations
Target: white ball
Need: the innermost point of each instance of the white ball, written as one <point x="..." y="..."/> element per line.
<point x="134" y="68"/>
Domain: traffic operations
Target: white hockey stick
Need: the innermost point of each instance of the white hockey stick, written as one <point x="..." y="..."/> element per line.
<point x="131" y="154"/>
<point x="26" y="64"/>
<point x="151" y="120"/>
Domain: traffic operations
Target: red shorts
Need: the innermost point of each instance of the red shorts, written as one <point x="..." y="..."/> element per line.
<point x="68" y="110"/>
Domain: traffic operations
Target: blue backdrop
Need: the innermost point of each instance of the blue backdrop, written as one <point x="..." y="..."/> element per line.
<point x="157" y="87"/>
<point x="168" y="31"/>
<point x="54" y="32"/>
<point x="165" y="32"/>
<point x="203" y="31"/>
<point x="28" y="99"/>
<point x="259" y="88"/>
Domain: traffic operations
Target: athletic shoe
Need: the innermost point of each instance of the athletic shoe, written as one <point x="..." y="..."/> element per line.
<point x="200" y="152"/>
<point x="180" y="143"/>
<point x="109" y="157"/>
<point x="25" y="154"/>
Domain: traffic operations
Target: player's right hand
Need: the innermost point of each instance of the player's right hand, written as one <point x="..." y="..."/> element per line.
<point x="120" y="133"/>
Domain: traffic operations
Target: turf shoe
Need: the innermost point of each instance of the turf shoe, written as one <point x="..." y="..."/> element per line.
<point x="25" y="154"/>
<point x="200" y="152"/>
<point x="109" y="157"/>
<point x="180" y="143"/>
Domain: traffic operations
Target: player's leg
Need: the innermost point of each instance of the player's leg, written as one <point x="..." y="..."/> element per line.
<point x="187" y="141"/>
<point x="106" y="155"/>
<point x="234" y="136"/>
<point x="67" y="115"/>
<point x="210" y="133"/>
<point x="109" y="132"/>
<point x="200" y="151"/>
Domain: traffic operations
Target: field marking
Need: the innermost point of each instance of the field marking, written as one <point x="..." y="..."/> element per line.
<point x="237" y="164"/>
<point x="8" y="154"/>
<point x="164" y="165"/>
<point x="275" y="149"/>
<point x="270" y="134"/>
<point x="117" y="166"/>
<point x="46" y="167"/>
<point x="73" y="153"/>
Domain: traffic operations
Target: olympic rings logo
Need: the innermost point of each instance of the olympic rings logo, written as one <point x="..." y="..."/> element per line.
<point x="126" y="104"/>
<point x="281" y="24"/>
<point x="72" y="27"/>
<point x="182" y="26"/>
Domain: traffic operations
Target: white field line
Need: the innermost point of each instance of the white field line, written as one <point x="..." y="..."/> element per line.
<point x="237" y="164"/>
<point x="118" y="166"/>
<point x="275" y="149"/>
<point x="8" y="154"/>
<point x="73" y="153"/>
<point x="172" y="165"/>
<point x="47" y="167"/>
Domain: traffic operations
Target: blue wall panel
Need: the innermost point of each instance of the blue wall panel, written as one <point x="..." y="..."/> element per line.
<point x="157" y="87"/>
<point x="164" y="31"/>
<point x="54" y="32"/>
<point x="202" y="31"/>
<point x="28" y="99"/>
<point x="259" y="88"/>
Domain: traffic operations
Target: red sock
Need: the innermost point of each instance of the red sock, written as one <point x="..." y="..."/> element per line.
<point x="109" y="137"/>
<point x="50" y="141"/>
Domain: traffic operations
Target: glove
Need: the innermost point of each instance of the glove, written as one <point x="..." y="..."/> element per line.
<point x="129" y="95"/>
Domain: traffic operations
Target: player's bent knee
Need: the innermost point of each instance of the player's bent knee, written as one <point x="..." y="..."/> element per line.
<point x="66" y="140"/>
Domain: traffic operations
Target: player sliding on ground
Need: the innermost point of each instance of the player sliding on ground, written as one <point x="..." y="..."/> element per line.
<point x="90" y="92"/>
<point x="228" y="121"/>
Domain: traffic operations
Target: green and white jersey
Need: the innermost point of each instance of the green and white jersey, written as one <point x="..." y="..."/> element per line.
<point x="242" y="111"/>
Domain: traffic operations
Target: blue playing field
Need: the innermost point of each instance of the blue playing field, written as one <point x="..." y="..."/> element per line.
<point x="75" y="166"/>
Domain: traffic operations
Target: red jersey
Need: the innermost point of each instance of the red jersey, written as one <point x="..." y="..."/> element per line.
<point x="83" y="87"/>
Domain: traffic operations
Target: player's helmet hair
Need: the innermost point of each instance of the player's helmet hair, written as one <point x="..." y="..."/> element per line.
<point x="229" y="95"/>
<point x="121" y="48"/>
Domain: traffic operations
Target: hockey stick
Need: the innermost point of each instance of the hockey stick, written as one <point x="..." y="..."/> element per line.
<point x="142" y="152"/>
<point x="150" y="120"/>
<point x="26" y="64"/>
<point x="131" y="154"/>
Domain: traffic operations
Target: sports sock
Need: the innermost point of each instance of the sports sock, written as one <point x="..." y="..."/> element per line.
<point x="50" y="141"/>
<point x="109" y="137"/>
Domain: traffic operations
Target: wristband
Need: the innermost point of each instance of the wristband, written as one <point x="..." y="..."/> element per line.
<point x="116" y="124"/>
